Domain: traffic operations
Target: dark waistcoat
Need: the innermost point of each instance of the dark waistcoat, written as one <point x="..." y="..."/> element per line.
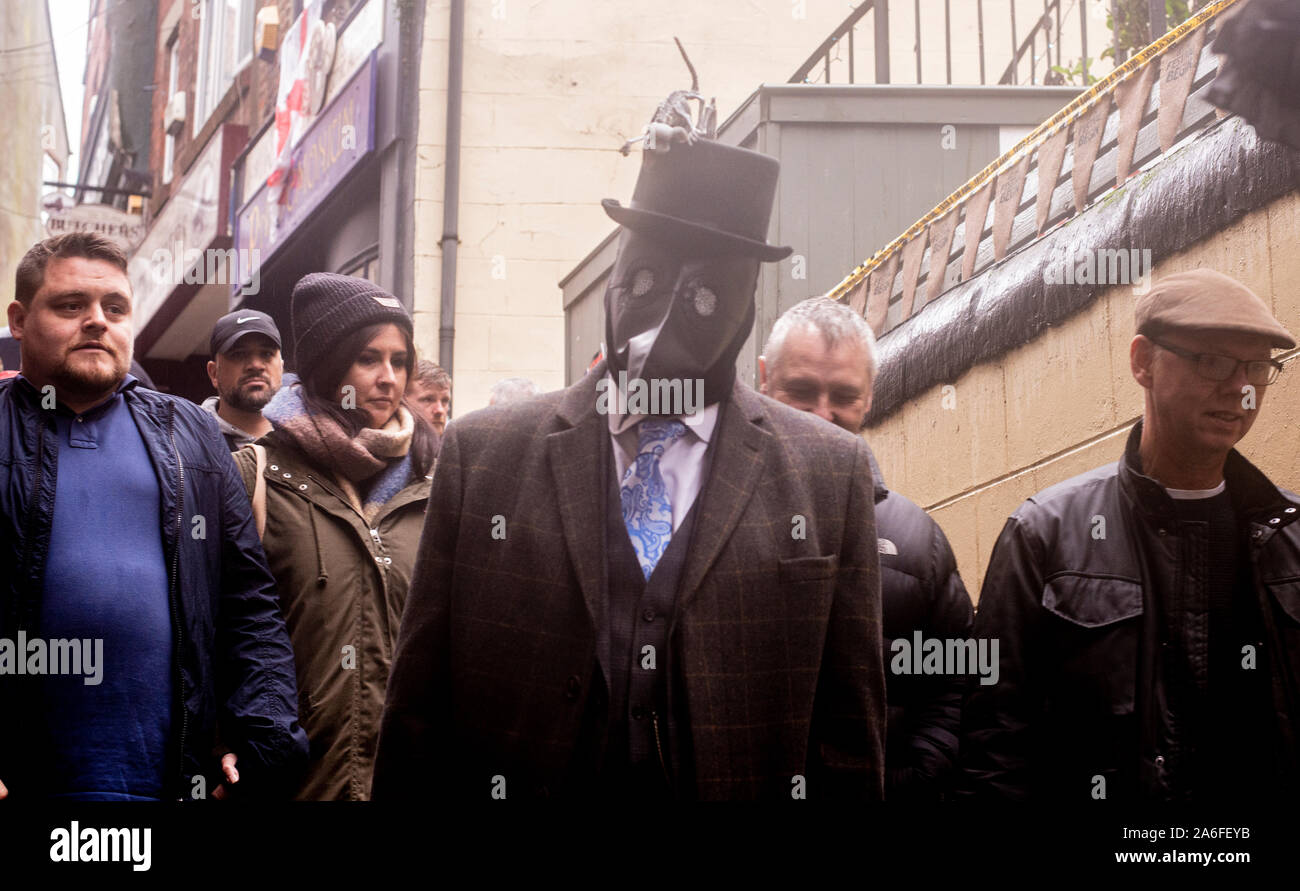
<point x="646" y="754"/>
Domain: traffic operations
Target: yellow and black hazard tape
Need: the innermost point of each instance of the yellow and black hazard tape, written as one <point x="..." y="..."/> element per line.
<point x="1077" y="107"/>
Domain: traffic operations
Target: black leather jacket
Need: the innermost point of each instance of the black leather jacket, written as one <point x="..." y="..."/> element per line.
<point x="1084" y="692"/>
<point x="921" y="591"/>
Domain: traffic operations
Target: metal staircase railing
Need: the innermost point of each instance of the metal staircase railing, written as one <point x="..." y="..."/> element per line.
<point x="1046" y="32"/>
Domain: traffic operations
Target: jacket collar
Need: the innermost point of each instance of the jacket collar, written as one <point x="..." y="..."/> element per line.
<point x="210" y="405"/>
<point x="30" y="393"/>
<point x="741" y="443"/>
<point x="1252" y="493"/>
<point x="289" y="458"/>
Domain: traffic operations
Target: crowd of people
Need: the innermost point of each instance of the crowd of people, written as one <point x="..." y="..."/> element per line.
<point x="313" y="586"/>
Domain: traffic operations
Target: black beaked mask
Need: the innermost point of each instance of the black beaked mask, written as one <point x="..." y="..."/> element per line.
<point x="671" y="315"/>
<point x="680" y="301"/>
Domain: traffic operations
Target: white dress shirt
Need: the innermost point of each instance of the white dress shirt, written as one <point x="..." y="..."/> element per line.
<point x="682" y="463"/>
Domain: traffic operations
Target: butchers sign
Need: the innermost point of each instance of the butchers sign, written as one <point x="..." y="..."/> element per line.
<point x="126" y="230"/>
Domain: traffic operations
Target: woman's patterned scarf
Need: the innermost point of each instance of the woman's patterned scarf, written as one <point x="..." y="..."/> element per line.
<point x="364" y="465"/>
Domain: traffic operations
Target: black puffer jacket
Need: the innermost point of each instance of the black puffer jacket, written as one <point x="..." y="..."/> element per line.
<point x="921" y="591"/>
<point x="1083" y="692"/>
<point x="234" y="663"/>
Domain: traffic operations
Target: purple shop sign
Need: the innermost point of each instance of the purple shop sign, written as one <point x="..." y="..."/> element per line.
<point x="336" y="142"/>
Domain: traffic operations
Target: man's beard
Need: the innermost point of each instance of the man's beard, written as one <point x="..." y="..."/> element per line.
<point x="90" y="383"/>
<point x="246" y="401"/>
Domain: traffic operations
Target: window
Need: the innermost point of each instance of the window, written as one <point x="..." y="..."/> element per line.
<point x="169" y="141"/>
<point x="225" y="46"/>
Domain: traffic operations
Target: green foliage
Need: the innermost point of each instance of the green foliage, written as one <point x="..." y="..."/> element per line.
<point x="1074" y="74"/>
<point x="1134" y="24"/>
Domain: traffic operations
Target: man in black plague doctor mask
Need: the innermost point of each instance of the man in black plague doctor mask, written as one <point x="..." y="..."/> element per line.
<point x="680" y="304"/>
<point x="685" y="602"/>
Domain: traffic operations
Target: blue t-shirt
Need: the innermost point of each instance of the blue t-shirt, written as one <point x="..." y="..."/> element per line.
<point x="106" y="579"/>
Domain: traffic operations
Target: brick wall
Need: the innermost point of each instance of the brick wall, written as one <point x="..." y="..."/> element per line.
<point x="97" y="50"/>
<point x="249" y="101"/>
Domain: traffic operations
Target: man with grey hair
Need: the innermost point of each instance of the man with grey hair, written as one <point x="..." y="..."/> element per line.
<point x="821" y="358"/>
<point x="511" y="389"/>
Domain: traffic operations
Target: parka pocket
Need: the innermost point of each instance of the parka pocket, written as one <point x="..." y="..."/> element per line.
<point x="1094" y="642"/>
<point x="1287" y="595"/>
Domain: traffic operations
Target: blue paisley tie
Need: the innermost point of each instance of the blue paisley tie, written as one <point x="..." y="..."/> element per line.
<point x="647" y="513"/>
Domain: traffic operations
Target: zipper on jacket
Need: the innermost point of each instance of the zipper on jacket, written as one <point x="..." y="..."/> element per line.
<point x="22" y="616"/>
<point x="172" y="587"/>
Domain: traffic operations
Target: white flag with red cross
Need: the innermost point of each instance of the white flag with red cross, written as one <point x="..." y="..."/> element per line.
<point x="305" y="58"/>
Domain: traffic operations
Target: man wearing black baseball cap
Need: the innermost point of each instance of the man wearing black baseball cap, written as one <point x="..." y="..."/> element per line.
<point x="246" y="369"/>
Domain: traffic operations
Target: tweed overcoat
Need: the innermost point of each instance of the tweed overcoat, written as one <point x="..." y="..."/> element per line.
<point x="776" y="633"/>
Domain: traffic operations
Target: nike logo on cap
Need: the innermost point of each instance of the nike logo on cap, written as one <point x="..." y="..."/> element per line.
<point x="244" y="319"/>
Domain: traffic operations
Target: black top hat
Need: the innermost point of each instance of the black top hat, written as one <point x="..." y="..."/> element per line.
<point x="708" y="196"/>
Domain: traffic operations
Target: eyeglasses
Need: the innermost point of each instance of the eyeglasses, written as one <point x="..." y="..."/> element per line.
<point x="1259" y="372"/>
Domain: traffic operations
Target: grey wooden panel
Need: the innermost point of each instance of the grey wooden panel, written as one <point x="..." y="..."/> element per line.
<point x="911" y="103"/>
<point x="584" y="329"/>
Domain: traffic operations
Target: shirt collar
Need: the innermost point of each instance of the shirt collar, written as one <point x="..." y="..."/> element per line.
<point x="702" y="423"/>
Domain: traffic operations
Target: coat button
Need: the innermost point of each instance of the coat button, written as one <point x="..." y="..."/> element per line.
<point x="1160" y="532"/>
<point x="1160" y="761"/>
<point x="648" y="614"/>
<point x="302" y="486"/>
<point x="1289" y="510"/>
<point x="388" y="561"/>
<point x="1273" y="521"/>
<point x="275" y="466"/>
<point x="572" y="687"/>
<point x="287" y="476"/>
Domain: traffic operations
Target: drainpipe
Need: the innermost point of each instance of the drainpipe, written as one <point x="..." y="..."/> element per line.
<point x="451" y="187"/>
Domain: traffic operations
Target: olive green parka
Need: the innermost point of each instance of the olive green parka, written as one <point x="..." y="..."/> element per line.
<point x="342" y="585"/>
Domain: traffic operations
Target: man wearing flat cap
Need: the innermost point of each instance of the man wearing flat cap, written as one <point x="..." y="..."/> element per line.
<point x="643" y="598"/>
<point x="1149" y="611"/>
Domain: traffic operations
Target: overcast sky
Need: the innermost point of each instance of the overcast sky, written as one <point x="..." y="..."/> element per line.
<point x="68" y="22"/>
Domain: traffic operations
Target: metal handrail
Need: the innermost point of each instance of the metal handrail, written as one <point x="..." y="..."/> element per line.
<point x="1044" y="25"/>
<point x="823" y="51"/>
<point x="1009" y="75"/>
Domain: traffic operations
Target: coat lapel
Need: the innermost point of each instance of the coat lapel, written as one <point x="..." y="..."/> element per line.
<point x="574" y="454"/>
<point x="741" y="452"/>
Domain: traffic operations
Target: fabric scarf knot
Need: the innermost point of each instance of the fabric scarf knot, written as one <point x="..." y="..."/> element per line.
<point x="366" y="458"/>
